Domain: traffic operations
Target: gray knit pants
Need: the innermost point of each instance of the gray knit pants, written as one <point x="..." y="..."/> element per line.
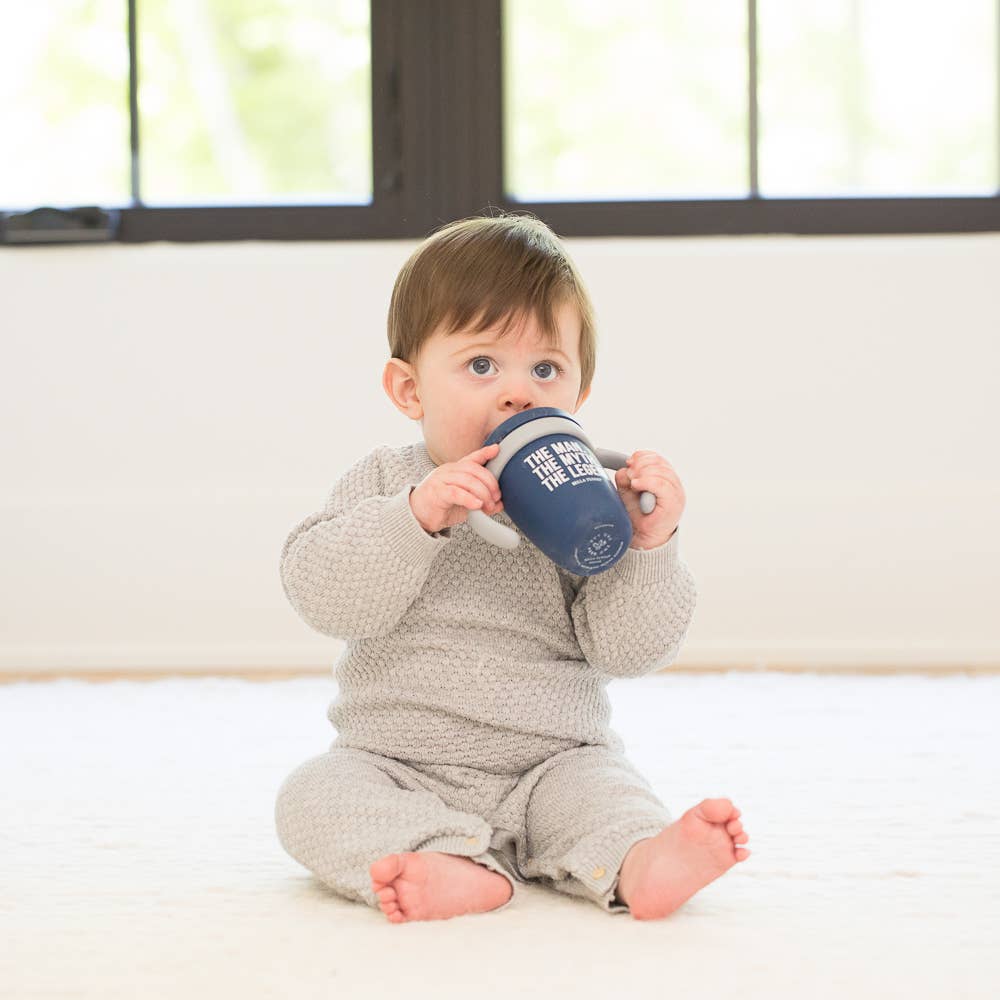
<point x="567" y="823"/>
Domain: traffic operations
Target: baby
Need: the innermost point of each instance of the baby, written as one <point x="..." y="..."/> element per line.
<point x="473" y="751"/>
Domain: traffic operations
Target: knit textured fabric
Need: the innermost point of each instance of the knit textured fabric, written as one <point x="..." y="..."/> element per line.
<point x="460" y="652"/>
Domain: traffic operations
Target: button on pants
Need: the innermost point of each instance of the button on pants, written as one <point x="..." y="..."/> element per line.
<point x="567" y="822"/>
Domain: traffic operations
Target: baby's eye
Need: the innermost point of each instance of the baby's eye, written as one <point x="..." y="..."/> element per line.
<point x="549" y="366"/>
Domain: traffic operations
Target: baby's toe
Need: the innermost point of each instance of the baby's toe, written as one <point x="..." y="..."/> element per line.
<point x="387" y="895"/>
<point x="717" y="810"/>
<point x="734" y="827"/>
<point x="392" y="913"/>
<point x="385" y="869"/>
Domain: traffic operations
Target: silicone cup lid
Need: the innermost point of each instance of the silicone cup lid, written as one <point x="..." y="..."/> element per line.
<point x="500" y="432"/>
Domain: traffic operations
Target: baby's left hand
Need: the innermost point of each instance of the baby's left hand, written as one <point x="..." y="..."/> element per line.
<point x="648" y="471"/>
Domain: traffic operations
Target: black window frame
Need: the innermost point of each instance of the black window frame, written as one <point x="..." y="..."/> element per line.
<point x="437" y="155"/>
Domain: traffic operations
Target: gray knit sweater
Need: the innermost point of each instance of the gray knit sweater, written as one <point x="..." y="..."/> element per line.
<point x="462" y="653"/>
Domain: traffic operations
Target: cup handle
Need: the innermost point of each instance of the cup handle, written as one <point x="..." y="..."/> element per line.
<point x="616" y="460"/>
<point x="493" y="531"/>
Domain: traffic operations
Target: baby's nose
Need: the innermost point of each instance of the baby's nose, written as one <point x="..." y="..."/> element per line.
<point x="516" y="401"/>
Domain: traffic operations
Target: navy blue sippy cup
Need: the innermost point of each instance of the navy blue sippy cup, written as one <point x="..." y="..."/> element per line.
<point x="556" y="491"/>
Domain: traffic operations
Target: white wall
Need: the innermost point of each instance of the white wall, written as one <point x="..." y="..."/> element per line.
<point x="831" y="404"/>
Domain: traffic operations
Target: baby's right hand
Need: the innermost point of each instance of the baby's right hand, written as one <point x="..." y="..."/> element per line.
<point x="446" y="495"/>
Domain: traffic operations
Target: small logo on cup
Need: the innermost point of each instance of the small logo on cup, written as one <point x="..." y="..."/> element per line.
<point x="600" y="548"/>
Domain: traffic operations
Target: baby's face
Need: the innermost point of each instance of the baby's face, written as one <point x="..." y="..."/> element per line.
<point x="466" y="384"/>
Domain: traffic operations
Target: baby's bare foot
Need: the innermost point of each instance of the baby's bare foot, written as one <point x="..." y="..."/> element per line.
<point x="430" y="885"/>
<point x="662" y="872"/>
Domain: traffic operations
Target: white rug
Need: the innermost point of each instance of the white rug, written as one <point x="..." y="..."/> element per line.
<point x="140" y="859"/>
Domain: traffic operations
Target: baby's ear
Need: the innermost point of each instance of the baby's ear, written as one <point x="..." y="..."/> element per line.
<point x="400" y="387"/>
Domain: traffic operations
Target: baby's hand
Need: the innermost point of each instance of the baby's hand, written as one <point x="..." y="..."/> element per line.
<point x="648" y="471"/>
<point x="446" y="495"/>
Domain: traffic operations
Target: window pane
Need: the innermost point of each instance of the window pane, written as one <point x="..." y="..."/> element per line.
<point x="644" y="100"/>
<point x="865" y="97"/>
<point x="245" y="101"/>
<point x="64" y="132"/>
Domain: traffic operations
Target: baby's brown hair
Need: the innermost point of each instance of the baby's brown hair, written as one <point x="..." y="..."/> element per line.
<point x="485" y="269"/>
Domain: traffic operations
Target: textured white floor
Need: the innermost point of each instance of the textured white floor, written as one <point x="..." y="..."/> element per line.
<point x="139" y="858"/>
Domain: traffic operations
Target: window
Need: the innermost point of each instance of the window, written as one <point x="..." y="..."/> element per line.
<point x="64" y="115"/>
<point x="341" y="119"/>
<point x="255" y="102"/>
<point x="878" y="98"/>
<point x="641" y="100"/>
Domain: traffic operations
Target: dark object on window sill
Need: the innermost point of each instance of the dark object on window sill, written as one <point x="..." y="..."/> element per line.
<point x="58" y="225"/>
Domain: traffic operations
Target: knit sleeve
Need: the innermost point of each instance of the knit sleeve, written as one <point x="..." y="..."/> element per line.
<point x="352" y="569"/>
<point x="632" y="619"/>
